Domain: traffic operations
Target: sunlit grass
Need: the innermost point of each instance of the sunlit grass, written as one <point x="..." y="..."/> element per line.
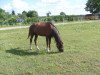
<point x="81" y="54"/>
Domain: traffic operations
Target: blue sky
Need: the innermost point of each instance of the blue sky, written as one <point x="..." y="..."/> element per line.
<point x="70" y="7"/>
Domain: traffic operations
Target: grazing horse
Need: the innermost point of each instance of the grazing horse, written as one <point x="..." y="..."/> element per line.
<point x="48" y="30"/>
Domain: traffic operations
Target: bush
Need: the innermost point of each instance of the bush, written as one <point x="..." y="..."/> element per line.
<point x="12" y="21"/>
<point x="31" y="20"/>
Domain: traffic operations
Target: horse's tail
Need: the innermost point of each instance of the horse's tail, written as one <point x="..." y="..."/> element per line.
<point x="29" y="33"/>
<point x="31" y="28"/>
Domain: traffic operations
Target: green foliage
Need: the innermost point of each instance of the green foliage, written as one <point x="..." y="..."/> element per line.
<point x="31" y="20"/>
<point x="24" y="15"/>
<point x="12" y="21"/>
<point x="48" y="19"/>
<point x="70" y="18"/>
<point x="93" y="6"/>
<point x="32" y="14"/>
<point x="3" y="14"/>
<point x="57" y="18"/>
<point x="13" y="12"/>
<point x="62" y="14"/>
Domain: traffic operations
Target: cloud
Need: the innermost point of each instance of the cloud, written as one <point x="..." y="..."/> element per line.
<point x="69" y="7"/>
<point x="54" y="6"/>
<point x="17" y="5"/>
<point x="20" y="4"/>
<point x="7" y="7"/>
<point x="50" y="1"/>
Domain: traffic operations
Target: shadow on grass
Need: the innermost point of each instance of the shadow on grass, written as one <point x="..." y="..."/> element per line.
<point x="21" y="52"/>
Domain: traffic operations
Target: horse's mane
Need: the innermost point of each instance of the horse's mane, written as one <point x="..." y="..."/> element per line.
<point x="54" y="26"/>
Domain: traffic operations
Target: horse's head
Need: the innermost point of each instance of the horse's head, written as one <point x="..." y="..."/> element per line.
<point x="59" y="43"/>
<point x="60" y="46"/>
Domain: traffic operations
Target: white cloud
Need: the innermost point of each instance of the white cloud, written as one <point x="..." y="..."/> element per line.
<point x="69" y="7"/>
<point x="54" y="6"/>
<point x="50" y="1"/>
<point x="17" y="5"/>
<point x="20" y="4"/>
<point x="7" y="7"/>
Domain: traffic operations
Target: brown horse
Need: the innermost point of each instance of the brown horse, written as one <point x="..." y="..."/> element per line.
<point x="48" y="30"/>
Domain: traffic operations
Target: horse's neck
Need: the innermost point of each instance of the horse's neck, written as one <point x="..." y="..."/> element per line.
<point x="56" y="36"/>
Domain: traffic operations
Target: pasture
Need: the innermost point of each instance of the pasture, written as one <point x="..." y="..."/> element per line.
<point x="81" y="54"/>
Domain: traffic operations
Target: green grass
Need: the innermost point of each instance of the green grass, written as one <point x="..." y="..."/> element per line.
<point x="81" y="54"/>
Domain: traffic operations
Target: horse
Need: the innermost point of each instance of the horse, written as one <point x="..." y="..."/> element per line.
<point x="48" y="30"/>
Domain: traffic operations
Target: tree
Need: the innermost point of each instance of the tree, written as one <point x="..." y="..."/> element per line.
<point x="48" y="18"/>
<point x="32" y="14"/>
<point x="4" y="15"/>
<point x="12" y="21"/>
<point x="93" y="6"/>
<point x="24" y="12"/>
<point x="23" y="15"/>
<point x="48" y="14"/>
<point x="63" y="15"/>
<point x="13" y="12"/>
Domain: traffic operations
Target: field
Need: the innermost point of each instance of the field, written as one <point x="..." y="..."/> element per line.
<point x="81" y="54"/>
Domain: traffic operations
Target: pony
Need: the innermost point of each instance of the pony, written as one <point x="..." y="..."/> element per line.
<point x="48" y="30"/>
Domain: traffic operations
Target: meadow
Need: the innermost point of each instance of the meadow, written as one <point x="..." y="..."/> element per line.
<point x="81" y="54"/>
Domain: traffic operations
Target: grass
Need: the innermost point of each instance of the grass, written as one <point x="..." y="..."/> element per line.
<point x="81" y="54"/>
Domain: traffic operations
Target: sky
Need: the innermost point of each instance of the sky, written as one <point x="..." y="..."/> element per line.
<point x="69" y="7"/>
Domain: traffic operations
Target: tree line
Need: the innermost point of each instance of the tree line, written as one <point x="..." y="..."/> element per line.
<point x="13" y="18"/>
<point x="32" y="16"/>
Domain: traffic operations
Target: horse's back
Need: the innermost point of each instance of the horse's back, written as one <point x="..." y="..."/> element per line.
<point x="42" y="28"/>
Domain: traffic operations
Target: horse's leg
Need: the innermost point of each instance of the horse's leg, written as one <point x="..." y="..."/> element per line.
<point x="47" y="42"/>
<point x="31" y="41"/>
<point x="35" y="41"/>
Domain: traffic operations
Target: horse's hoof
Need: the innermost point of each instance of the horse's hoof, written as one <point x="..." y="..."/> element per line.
<point x="47" y="49"/>
<point x="61" y="51"/>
